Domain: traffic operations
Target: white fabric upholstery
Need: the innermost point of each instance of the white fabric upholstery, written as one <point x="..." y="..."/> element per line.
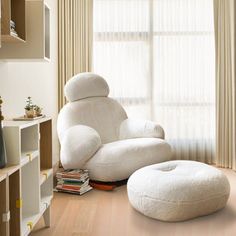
<point x="102" y="114"/>
<point x="178" y="190"/>
<point x="131" y="128"/>
<point x="121" y="158"/>
<point x="78" y="145"/>
<point x="91" y="119"/>
<point x="86" y="85"/>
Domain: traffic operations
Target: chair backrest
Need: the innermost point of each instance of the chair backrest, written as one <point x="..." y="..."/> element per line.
<point x="89" y="105"/>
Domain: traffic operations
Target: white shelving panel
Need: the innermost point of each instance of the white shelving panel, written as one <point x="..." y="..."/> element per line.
<point x="29" y="148"/>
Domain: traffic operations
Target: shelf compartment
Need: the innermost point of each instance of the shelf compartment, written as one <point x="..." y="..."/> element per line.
<point x="22" y="142"/>
<point x="29" y="139"/>
<point x="30" y="193"/>
<point x="46" y="198"/>
<point x="45" y="203"/>
<point x="46" y="188"/>
<point x="37" y="44"/>
<point x="13" y="10"/>
<point x="28" y="223"/>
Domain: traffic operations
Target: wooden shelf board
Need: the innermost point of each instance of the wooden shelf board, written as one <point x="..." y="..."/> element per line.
<point x="45" y="174"/>
<point x="24" y="124"/>
<point x="19" y="124"/>
<point x="2" y="176"/>
<point x="12" y="39"/>
<point x="44" y="119"/>
<point x="8" y="170"/>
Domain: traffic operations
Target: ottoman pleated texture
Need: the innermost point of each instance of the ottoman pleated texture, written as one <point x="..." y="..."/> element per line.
<point x="178" y="190"/>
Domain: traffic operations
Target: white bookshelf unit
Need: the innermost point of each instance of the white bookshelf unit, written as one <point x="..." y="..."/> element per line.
<point x="27" y="182"/>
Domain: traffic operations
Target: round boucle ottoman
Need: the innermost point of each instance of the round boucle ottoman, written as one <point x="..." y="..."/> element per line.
<point x="178" y="190"/>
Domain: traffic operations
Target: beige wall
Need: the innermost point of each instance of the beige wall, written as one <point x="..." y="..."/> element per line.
<point x="18" y="80"/>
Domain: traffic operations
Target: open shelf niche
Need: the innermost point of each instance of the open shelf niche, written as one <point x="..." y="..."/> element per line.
<point x="30" y="195"/>
<point x="13" y="10"/>
<point x="28" y="146"/>
<point x="37" y="44"/>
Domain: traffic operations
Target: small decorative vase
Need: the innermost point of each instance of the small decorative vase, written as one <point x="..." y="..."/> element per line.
<point x="30" y="113"/>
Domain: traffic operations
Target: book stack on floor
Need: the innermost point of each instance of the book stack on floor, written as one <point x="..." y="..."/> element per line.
<point x="73" y="181"/>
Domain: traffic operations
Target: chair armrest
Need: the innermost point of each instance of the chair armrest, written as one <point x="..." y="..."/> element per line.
<point x="131" y="128"/>
<point x="78" y="145"/>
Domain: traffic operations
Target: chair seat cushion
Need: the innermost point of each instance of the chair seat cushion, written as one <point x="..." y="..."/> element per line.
<point x="118" y="160"/>
<point x="178" y="190"/>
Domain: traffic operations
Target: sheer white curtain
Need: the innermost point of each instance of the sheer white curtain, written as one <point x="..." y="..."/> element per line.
<point x="121" y="51"/>
<point x="158" y="58"/>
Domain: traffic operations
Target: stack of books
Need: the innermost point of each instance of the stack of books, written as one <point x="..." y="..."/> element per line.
<point x="73" y="181"/>
<point x="13" y="28"/>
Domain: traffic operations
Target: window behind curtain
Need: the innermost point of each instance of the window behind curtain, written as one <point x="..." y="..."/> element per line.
<point x="158" y="58"/>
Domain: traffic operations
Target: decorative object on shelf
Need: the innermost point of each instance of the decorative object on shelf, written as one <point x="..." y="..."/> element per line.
<point x="32" y="111"/>
<point x="2" y="143"/>
<point x="13" y="28"/>
<point x="38" y="110"/>
<point x="29" y="108"/>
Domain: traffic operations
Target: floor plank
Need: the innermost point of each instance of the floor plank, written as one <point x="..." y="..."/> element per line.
<point x="100" y="213"/>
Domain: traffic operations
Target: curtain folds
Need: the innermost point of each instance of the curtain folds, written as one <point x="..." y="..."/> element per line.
<point x="75" y="19"/>
<point x="224" y="12"/>
<point x="184" y="76"/>
<point x="122" y="52"/>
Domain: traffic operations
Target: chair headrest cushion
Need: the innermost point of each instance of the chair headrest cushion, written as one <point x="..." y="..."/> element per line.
<point x="85" y="85"/>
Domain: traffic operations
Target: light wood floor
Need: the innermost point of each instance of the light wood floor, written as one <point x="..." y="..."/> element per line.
<point x="100" y="213"/>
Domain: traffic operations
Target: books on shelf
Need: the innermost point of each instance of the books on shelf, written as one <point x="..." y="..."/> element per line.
<point x="13" y="33"/>
<point x="12" y="24"/>
<point x="13" y="28"/>
<point x="73" y="181"/>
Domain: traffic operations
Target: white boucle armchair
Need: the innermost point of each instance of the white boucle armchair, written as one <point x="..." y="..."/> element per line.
<point x="96" y="134"/>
